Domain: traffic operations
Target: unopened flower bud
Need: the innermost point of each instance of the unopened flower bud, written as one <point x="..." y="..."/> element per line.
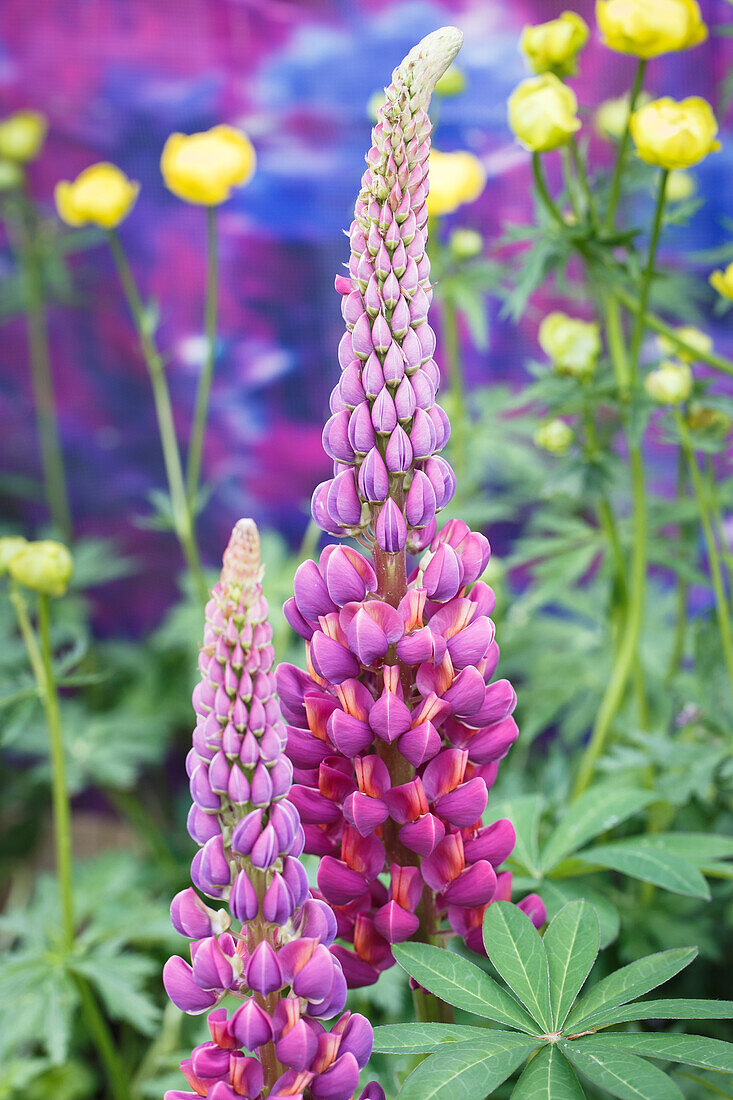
<point x="44" y="567"/>
<point x="554" y="436"/>
<point x="670" y="383"/>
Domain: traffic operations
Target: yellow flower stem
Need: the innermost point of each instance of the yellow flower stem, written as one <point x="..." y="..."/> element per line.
<point x="198" y="433"/>
<point x="577" y="160"/>
<point x="182" y="515"/>
<point x="618" y="170"/>
<point x="716" y="574"/>
<point x="647" y="276"/>
<point x="719" y="362"/>
<point x="452" y="359"/>
<point x="570" y="180"/>
<point x="542" y="189"/>
<point x="605" y="511"/>
<point x="680" y="630"/>
<point x="726" y="558"/>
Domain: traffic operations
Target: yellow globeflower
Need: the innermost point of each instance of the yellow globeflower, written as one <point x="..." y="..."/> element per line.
<point x="700" y="341"/>
<point x="203" y="168"/>
<point x="670" y="383"/>
<point x="674" y="133"/>
<point x="572" y="345"/>
<point x="554" y="46"/>
<point x="554" y="436"/>
<point x="542" y="113"/>
<point x="680" y="185"/>
<point x="44" y="567"/>
<point x="100" y="195"/>
<point x="647" y="28"/>
<point x="452" y="82"/>
<point x="455" y="179"/>
<point x="612" y="116"/>
<point x="10" y="545"/>
<point x="22" y="135"/>
<point x="722" y="281"/>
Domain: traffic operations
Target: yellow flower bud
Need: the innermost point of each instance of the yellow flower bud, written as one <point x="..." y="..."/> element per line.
<point x="698" y="340"/>
<point x="455" y="179"/>
<point x="680" y="185"/>
<point x="22" y="135"/>
<point x="554" y="436"/>
<point x="647" y="28"/>
<point x="674" y="134"/>
<point x="466" y="244"/>
<point x="572" y="345"/>
<point x="10" y="545"/>
<point x="713" y="422"/>
<point x="376" y="100"/>
<point x="452" y="82"/>
<point x="542" y="113"/>
<point x="11" y="175"/>
<point x="203" y="168"/>
<point x="612" y="116"/>
<point x="44" y="567"/>
<point x="670" y="383"/>
<point x="722" y="281"/>
<point x="100" y="195"/>
<point x="554" y="46"/>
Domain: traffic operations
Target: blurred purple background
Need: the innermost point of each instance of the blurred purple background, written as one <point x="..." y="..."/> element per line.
<point x="115" y="77"/>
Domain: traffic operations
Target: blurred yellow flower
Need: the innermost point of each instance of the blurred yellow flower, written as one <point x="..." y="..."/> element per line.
<point x="722" y="281"/>
<point x="455" y="179"/>
<point x="44" y="567"/>
<point x="542" y="113"/>
<point x="703" y="418"/>
<point x="680" y="185"/>
<point x="22" y="135"/>
<point x="11" y="175"/>
<point x="100" y="195"/>
<point x="674" y="133"/>
<point x="647" y="28"/>
<point x="572" y="345"/>
<point x="10" y="545"/>
<point x="554" y="46"/>
<point x="466" y="244"/>
<point x="452" y="82"/>
<point x="670" y="383"/>
<point x="696" y="339"/>
<point x="376" y="100"/>
<point x="203" y="168"/>
<point x="554" y="436"/>
<point x="612" y="116"/>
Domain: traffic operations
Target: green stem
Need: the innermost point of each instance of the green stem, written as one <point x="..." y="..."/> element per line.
<point x="719" y="362"/>
<point x="52" y="460"/>
<point x="570" y="181"/>
<point x="583" y="178"/>
<point x="452" y="359"/>
<point x="616" y="345"/>
<point x="618" y="171"/>
<point x="182" y="516"/>
<point x="542" y="190"/>
<point x="717" y="520"/>
<point x="648" y="275"/>
<point x="195" y="452"/>
<point x="716" y="575"/>
<point x="680" y="631"/>
<point x="606" y="517"/>
<point x="117" y="1074"/>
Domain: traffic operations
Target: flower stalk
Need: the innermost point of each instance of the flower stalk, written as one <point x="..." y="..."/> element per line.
<point x="203" y="392"/>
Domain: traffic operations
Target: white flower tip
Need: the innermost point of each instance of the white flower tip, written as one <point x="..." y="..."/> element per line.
<point x="428" y="60"/>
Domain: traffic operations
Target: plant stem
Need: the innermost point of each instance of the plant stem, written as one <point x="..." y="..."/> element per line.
<point x="717" y="522"/>
<point x="716" y="575"/>
<point x="117" y="1075"/>
<point x="195" y="451"/>
<point x="542" y="189"/>
<point x="182" y="516"/>
<point x="646" y="279"/>
<point x="452" y="357"/>
<point x="618" y="170"/>
<point x="583" y="178"/>
<point x="719" y="362"/>
<point x="678" y="645"/>
<point x="52" y="460"/>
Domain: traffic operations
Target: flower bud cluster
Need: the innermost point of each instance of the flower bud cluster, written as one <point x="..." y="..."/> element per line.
<point x="396" y="732"/>
<point x="278" y="963"/>
<point x="386" y="429"/>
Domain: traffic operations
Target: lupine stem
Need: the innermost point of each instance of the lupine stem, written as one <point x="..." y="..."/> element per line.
<point x="618" y="170"/>
<point x="198" y="433"/>
<point x="721" y="604"/>
<point x="182" y="515"/>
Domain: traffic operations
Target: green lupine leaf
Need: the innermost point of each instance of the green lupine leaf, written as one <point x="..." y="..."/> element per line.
<point x="699" y="849"/>
<point x="468" y="1071"/>
<point x="462" y="984"/>
<point x="515" y="949"/>
<point x="624" y="1075"/>
<point x="630" y="982"/>
<point x="524" y="813"/>
<point x="692" y="1050"/>
<point x="556" y="894"/>
<point x="643" y="861"/>
<point x="670" y="1009"/>
<point x="547" y="1077"/>
<point x="599" y="809"/>
<point x="422" y="1038"/>
<point x="571" y="943"/>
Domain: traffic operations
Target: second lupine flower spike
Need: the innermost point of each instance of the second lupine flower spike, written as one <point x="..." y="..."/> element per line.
<point x="277" y="961"/>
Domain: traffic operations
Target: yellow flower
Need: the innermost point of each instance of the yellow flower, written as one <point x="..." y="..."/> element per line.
<point x="674" y="133"/>
<point x="554" y="436"/>
<point x="452" y="82"/>
<point x="696" y="339"/>
<point x="554" y="46"/>
<point x="612" y="116"/>
<point x="10" y="545"/>
<point x="100" y="195"/>
<point x="44" y="567"/>
<point x="670" y="383"/>
<point x="11" y="175"/>
<point x="466" y="244"/>
<point x="680" y="185"/>
<point x="722" y="281"/>
<point x="376" y="100"/>
<point x="647" y="28"/>
<point x="542" y="113"/>
<point x="714" y="422"/>
<point x="572" y="345"/>
<point x="455" y="178"/>
<point x="21" y="135"/>
<point x="203" y="168"/>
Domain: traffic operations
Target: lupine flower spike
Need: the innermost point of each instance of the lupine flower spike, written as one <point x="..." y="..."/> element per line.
<point x="397" y="728"/>
<point x="269" y="949"/>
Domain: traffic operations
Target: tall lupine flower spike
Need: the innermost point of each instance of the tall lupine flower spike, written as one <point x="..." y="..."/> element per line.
<point x="397" y="728"/>
<point x="270" y="950"/>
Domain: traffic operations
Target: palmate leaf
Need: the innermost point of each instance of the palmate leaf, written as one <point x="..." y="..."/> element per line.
<point x="599" y="809"/>
<point x="421" y="1038"/>
<point x="650" y="864"/>
<point x="548" y="1076"/>
<point x="670" y="1009"/>
<point x="571" y="942"/>
<point x="119" y="979"/>
<point x="462" y="984"/>
<point x="515" y="949"/>
<point x="624" y="1075"/>
<point x="556" y="894"/>
<point x="692" y="1050"/>
<point x="628" y="983"/>
<point x="468" y="1071"/>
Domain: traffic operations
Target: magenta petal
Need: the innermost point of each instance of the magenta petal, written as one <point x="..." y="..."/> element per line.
<point x="183" y="990"/>
<point x="492" y="743"/>
<point x="338" y="883"/>
<point x="466" y="693"/>
<point x="311" y="594"/>
<point x="366" y="638"/>
<point x="473" y="553"/>
<point x="243" y="900"/>
<point x="263" y="970"/>
<point x="499" y="701"/>
<point x="464" y="805"/>
<point x="420" y="744"/>
<point x="350" y="735"/>
<point x="389" y="717"/>
<point x="475" y="886"/>
<point x="364" y="813"/>
<point x="246" y="832"/>
<point x="331" y="660"/>
<point x="297" y="1048"/>
<point x="423" y="835"/>
<point x="442" y="575"/>
<point x="349" y="576"/>
<point x="338" y="1082"/>
<point x="314" y="981"/>
<point x="246" y="1075"/>
<point x="390" y="528"/>
<point x="469" y="645"/>
<point x="210" y="1060"/>
<point x="251" y="1025"/>
<point x="373" y="477"/>
<point x="420" y="503"/>
<point x="533" y="907"/>
<point x="358" y="1038"/>
<point x="343" y="503"/>
<point x="398" y="453"/>
<point x="278" y="903"/>
<point x="212" y="968"/>
<point x="494" y="843"/>
<point x="395" y="923"/>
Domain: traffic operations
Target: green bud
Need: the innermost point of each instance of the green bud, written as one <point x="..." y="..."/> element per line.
<point x="10" y="545"/>
<point x="452" y="82"/>
<point x="713" y="422"/>
<point x="44" y="567"/>
<point x="554" y="436"/>
<point x="466" y="244"/>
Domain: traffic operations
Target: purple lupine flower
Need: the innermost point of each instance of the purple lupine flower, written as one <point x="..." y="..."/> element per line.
<point x="277" y="962"/>
<point x="397" y="728"/>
